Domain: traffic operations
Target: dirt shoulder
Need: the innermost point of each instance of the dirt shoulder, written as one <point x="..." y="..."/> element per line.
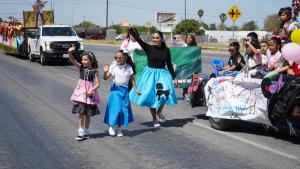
<point x="217" y="47"/>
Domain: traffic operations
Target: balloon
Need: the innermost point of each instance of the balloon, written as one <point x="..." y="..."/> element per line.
<point x="272" y="75"/>
<point x="291" y="51"/>
<point x="297" y="61"/>
<point x="295" y="36"/>
<point x="298" y="19"/>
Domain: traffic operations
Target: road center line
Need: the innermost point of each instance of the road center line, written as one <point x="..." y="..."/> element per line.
<point x="247" y="141"/>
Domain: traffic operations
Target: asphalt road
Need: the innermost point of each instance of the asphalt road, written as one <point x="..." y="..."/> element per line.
<point x="37" y="128"/>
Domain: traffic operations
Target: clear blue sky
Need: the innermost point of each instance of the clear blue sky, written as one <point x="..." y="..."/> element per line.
<point x="142" y="11"/>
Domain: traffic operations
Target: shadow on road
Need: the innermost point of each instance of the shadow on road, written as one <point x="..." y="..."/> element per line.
<point x="171" y="123"/>
<point x="202" y="116"/>
<point x="177" y="122"/>
<point x="259" y="129"/>
<point x="99" y="135"/>
<point x="138" y="132"/>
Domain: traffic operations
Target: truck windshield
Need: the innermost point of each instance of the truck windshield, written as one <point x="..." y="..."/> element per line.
<point x="58" y="31"/>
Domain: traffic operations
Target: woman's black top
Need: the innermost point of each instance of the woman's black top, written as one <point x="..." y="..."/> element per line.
<point x="158" y="57"/>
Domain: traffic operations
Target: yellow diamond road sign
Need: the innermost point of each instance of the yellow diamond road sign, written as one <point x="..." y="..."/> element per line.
<point x="234" y="13"/>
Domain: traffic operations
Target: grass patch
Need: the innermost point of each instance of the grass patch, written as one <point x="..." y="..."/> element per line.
<point x="102" y="41"/>
<point x="222" y="47"/>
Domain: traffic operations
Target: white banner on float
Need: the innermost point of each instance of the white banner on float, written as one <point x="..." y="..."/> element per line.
<point x="236" y="98"/>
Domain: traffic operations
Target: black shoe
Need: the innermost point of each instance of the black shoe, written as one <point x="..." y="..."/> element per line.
<point x="86" y="136"/>
<point x="79" y="138"/>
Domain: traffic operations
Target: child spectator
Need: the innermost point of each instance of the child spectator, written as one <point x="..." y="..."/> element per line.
<point x="275" y="52"/>
<point x="287" y="25"/>
<point x="264" y="51"/>
<point x="254" y="59"/>
<point x="235" y="63"/>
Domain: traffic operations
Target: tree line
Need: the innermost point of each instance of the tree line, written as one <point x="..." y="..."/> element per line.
<point x="271" y="24"/>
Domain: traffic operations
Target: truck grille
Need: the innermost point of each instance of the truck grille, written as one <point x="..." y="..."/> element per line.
<point x="63" y="46"/>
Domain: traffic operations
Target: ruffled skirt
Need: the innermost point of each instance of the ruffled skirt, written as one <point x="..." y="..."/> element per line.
<point x="82" y="103"/>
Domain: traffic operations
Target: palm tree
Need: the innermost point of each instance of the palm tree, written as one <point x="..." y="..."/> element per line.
<point x="200" y="13"/>
<point x="223" y="18"/>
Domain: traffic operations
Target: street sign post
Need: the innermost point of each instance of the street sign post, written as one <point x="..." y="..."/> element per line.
<point x="234" y="13"/>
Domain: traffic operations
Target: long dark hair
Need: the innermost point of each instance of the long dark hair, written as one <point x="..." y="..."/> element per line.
<point x="92" y="58"/>
<point x="128" y="60"/>
<point x="253" y="35"/>
<point x="194" y="42"/>
<point x="288" y="12"/>
<point x="163" y="44"/>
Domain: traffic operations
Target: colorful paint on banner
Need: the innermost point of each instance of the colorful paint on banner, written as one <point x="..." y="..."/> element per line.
<point x="236" y="98"/>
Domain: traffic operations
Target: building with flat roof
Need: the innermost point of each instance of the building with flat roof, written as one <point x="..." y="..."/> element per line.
<point x="230" y="36"/>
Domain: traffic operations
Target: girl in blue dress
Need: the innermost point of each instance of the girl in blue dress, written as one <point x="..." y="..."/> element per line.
<point x="118" y="110"/>
<point x="156" y="79"/>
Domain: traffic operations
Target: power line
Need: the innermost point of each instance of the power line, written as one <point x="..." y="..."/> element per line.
<point x="11" y="3"/>
<point x="6" y="13"/>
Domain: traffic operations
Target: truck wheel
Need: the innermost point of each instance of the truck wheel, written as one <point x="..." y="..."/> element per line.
<point x="42" y="58"/>
<point x="31" y="58"/>
<point x="220" y="124"/>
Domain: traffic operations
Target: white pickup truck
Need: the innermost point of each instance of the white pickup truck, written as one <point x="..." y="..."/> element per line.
<point x="51" y="42"/>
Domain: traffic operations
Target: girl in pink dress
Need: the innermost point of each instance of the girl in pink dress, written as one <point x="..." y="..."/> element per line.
<point x="85" y="96"/>
<point x="274" y="56"/>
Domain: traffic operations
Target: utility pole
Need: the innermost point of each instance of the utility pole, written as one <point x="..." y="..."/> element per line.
<point x="72" y="16"/>
<point x="106" y="14"/>
<point x="184" y="9"/>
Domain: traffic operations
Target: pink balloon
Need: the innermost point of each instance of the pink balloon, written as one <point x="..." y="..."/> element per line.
<point x="298" y="62"/>
<point x="291" y="52"/>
